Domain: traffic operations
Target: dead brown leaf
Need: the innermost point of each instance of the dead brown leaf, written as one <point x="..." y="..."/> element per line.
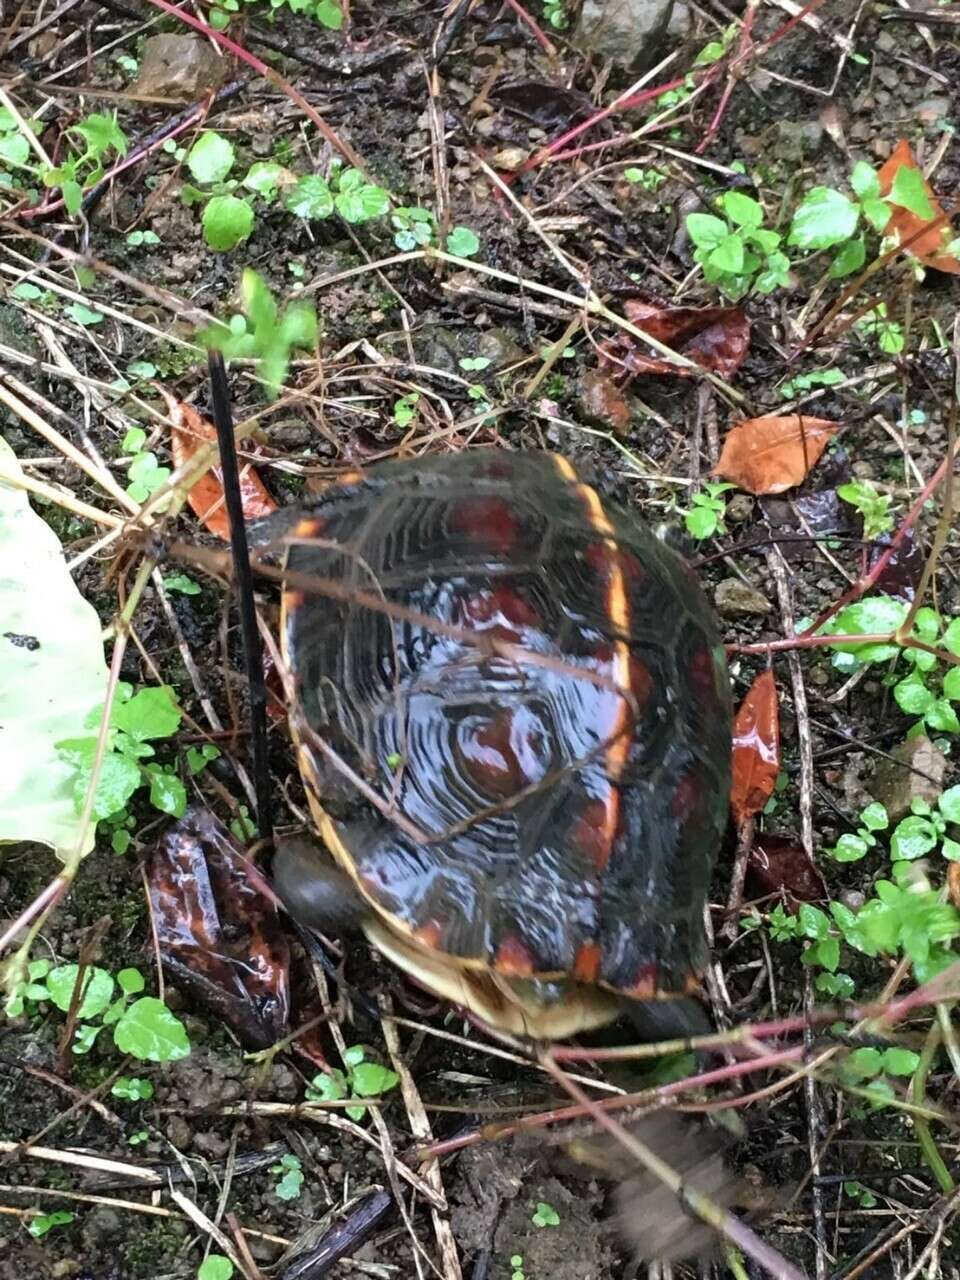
<point x="929" y="245"/>
<point x="770" y="454"/>
<point x="206" y="497"/>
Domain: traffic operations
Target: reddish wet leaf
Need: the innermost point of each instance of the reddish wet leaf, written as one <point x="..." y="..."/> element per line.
<point x="217" y="929"/>
<point x="929" y="246"/>
<point x="770" y="454"/>
<point x="602" y="401"/>
<point x="756" y="748"/>
<point x="190" y="430"/>
<point x="716" y="338"/>
<point x="901" y="575"/>
<point x="780" y="864"/>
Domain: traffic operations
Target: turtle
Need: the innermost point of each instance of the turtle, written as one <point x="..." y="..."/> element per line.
<point x="512" y="715"/>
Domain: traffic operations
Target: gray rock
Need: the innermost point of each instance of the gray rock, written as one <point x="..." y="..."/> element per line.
<point x="735" y="598"/>
<point x="895" y="784"/>
<point x="179" y="66"/>
<point x="627" y="33"/>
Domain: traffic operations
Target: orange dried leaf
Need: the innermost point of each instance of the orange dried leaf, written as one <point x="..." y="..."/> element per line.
<point x="756" y="748"/>
<point x="768" y="455"/>
<point x="926" y="245"/>
<point x="206" y="499"/>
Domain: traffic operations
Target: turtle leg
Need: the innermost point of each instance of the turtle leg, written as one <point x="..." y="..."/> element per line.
<point x="315" y="892"/>
<point x="677" y="1019"/>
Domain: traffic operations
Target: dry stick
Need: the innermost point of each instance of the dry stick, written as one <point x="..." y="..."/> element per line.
<point x="702" y="1205"/>
<point x="252" y="653"/>
<point x="420" y="1128"/>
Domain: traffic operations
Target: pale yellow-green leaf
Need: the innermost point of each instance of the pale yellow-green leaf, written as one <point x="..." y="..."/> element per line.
<point x="52" y="674"/>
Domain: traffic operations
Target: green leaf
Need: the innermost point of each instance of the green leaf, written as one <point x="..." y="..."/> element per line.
<point x="900" y="1062"/>
<point x="913" y="696"/>
<point x="132" y="1089"/>
<point x="354" y="1055"/>
<point x="44" y="1222"/>
<point x="329" y="14"/>
<point x="865" y="1062"/>
<point x="134" y="440"/>
<point x="951" y="637"/>
<point x="874" y="817"/>
<point x="215" y="1267"/>
<point x="150" y="1032"/>
<point x="824" y="218"/>
<point x="849" y="848"/>
<point x="310" y="198"/>
<point x="14" y="148"/>
<point x="100" y="133"/>
<point x="951" y="684"/>
<point x="865" y="180"/>
<point x="151" y="713"/>
<point x="728" y="255"/>
<point x="211" y="157"/>
<point x="118" y="780"/>
<point x="263" y="178"/>
<point x="97" y="989"/>
<point x="949" y="804"/>
<point x="369" y="1079"/>
<point x="827" y="952"/>
<point x="909" y="191"/>
<point x="742" y="209"/>
<point x="359" y="201"/>
<point x="130" y="981"/>
<point x="851" y="258"/>
<point x="82" y="315"/>
<point x="180" y="582"/>
<point x="49" y="680"/>
<point x="463" y="243"/>
<point x="168" y="794"/>
<point x="545" y="1216"/>
<point x="912" y="838"/>
<point x="291" y="1184"/>
<point x="701" y="522"/>
<point x="327" y="1086"/>
<point x="943" y="717"/>
<point x="199" y="757"/>
<point x="227" y="221"/>
<point x="813" y="922"/>
<point x="705" y="230"/>
<point x="72" y="193"/>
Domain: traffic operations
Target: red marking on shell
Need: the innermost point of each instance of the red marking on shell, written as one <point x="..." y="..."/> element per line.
<point x="644" y="985"/>
<point x="501" y="605"/>
<point x="513" y="958"/>
<point x="586" y="964"/>
<point x="600" y="557"/>
<point x="429" y="935"/>
<point x="641" y="682"/>
<point x="591" y="831"/>
<point x="489" y="521"/>
<point x="686" y="799"/>
<point x="703" y="675"/>
<point x="503" y="753"/>
<point x="606" y="559"/>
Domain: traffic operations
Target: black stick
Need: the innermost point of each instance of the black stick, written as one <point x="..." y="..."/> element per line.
<point x="252" y="654"/>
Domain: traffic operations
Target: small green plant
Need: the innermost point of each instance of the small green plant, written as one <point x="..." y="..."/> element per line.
<point x="888" y="333"/>
<point x="132" y="1088"/>
<point x="145" y="475"/>
<point x="215" y="1267"/>
<point x="182" y="583"/>
<point x="413" y="227"/>
<point x="827" y="218"/>
<point x="874" y="507"/>
<point x="291" y="1177"/>
<point x="646" y="179"/>
<point x="345" y="192"/>
<point x="556" y="14"/>
<point x="264" y="332"/>
<point x="145" y="1029"/>
<point x="137" y="720"/>
<point x="707" y="508"/>
<point x="915" y="693"/>
<point x="736" y="252"/>
<point x="516" y="1267"/>
<point x="405" y="409"/>
<point x="851" y="848"/>
<point x="100" y="137"/>
<point x="806" y="381"/>
<point x="545" y="1215"/>
<point x="360" y="1079"/>
<point x="43" y="1222"/>
<point x="863" y="1195"/>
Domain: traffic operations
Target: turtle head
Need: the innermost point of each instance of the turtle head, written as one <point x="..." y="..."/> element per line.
<point x="316" y="893"/>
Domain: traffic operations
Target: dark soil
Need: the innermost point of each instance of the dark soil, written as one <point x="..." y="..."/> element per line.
<point x="796" y="117"/>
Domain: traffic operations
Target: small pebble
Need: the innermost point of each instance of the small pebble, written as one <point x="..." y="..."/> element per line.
<point x="734" y="598"/>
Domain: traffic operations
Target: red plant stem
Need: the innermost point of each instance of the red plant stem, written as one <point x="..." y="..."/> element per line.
<point x="268" y="73"/>
<point x="541" y="38"/>
<point x="866" y="581"/>
<point x="624" y="102"/>
<point x="46" y="899"/>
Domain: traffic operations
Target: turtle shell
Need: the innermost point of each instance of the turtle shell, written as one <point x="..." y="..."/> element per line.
<point x="529" y="705"/>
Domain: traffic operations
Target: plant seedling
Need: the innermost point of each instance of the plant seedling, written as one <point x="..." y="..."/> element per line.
<point x="215" y="1267"/>
<point x="736" y="251"/>
<point x="264" y="332"/>
<point x="707" y="508"/>
<point x="360" y="1079"/>
<point x="545" y="1215"/>
<point x="291" y="1180"/>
